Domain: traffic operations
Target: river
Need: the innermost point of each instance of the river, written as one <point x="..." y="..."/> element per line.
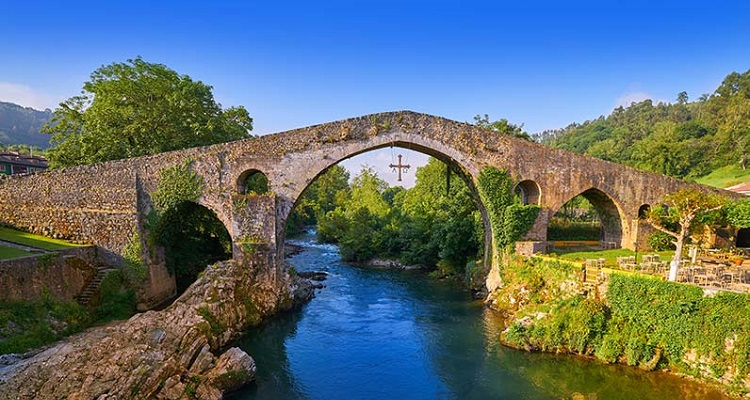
<point x="383" y="334"/>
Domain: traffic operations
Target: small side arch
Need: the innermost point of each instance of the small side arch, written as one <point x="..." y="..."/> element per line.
<point x="252" y="181"/>
<point x="643" y="211"/>
<point x="743" y="238"/>
<point x="528" y="191"/>
<point x="608" y="213"/>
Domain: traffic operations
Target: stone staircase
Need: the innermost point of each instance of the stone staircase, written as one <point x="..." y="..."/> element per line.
<point x="92" y="287"/>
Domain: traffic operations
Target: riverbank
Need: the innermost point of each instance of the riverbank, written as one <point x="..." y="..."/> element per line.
<point x="632" y="320"/>
<point x="180" y="352"/>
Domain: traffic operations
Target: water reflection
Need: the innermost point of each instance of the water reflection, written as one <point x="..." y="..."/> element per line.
<point x="375" y="334"/>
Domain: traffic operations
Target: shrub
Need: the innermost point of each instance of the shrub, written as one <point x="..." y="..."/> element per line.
<point x="661" y="241"/>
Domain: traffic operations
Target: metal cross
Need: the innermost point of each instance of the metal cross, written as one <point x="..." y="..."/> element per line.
<point x="399" y="167"/>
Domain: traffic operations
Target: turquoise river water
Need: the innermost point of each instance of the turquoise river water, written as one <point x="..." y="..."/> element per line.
<point x="383" y="334"/>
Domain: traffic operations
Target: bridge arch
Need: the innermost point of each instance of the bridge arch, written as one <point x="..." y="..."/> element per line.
<point x="192" y="236"/>
<point x="743" y="238"/>
<point x="643" y="211"/>
<point x="314" y="167"/>
<point x="529" y="192"/>
<point x="252" y="181"/>
<point x="610" y="214"/>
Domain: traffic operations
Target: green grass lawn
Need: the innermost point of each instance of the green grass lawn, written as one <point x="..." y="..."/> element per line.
<point x="726" y="176"/>
<point x="610" y="256"/>
<point x="10" y="252"/>
<point x="31" y="240"/>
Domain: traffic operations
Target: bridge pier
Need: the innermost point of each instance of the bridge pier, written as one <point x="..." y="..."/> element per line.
<point x="254" y="230"/>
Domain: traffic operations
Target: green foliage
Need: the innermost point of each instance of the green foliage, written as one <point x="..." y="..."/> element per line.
<point x="322" y="196"/>
<point x="660" y="241"/>
<point x="192" y="237"/>
<point x="496" y="191"/>
<point x="176" y="185"/>
<point x="32" y="240"/>
<point x="357" y="243"/>
<point x="216" y="326"/>
<point x="611" y="348"/>
<point x="509" y="219"/>
<point x="570" y="230"/>
<point x="575" y="325"/>
<point x="332" y="226"/>
<point x="501" y="126"/>
<point x="138" y="108"/>
<point x="12" y="252"/>
<point x="516" y="335"/>
<point x="116" y="299"/>
<point x="427" y="225"/>
<point x="256" y="183"/>
<point x="518" y="220"/>
<point x="738" y="213"/>
<point x="644" y="322"/>
<point x="134" y="270"/>
<point x="28" y="325"/>
<point x="685" y="139"/>
<point x="540" y="278"/>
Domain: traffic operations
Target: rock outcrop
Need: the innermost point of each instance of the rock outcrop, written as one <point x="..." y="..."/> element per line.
<point x="179" y="352"/>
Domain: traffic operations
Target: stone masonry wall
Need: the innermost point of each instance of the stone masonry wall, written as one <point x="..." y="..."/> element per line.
<point x="93" y="204"/>
<point x="62" y="275"/>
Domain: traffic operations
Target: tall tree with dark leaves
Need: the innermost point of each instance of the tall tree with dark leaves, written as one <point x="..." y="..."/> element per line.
<point x="137" y="108"/>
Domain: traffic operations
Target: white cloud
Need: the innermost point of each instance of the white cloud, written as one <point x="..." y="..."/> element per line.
<point x="628" y="98"/>
<point x="25" y="96"/>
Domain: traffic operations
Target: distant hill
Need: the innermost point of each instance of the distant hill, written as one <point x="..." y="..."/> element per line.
<point x="707" y="140"/>
<point x="21" y="125"/>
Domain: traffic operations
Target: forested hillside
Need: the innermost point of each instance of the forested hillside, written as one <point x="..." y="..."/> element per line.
<point x="21" y="125"/>
<point x="683" y="139"/>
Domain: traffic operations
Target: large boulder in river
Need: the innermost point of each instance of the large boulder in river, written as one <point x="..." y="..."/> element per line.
<point x="169" y="354"/>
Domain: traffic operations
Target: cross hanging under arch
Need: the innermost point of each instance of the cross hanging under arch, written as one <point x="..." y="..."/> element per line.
<point x="400" y="167"/>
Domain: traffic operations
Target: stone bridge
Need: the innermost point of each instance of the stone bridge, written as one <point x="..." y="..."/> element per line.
<point x="105" y="204"/>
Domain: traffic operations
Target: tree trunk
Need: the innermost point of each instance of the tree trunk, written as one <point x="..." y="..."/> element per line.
<point x="677" y="259"/>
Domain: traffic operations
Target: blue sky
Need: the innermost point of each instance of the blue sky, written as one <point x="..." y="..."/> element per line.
<point x="293" y="64"/>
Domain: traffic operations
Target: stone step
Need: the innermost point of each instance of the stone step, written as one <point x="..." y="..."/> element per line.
<point x="92" y="287"/>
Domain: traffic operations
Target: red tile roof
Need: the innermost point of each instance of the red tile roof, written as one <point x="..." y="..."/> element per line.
<point x="741" y="188"/>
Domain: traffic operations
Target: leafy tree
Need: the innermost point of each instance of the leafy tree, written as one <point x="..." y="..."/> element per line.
<point x="501" y="126"/>
<point x="325" y="189"/>
<point x="429" y="224"/>
<point x="738" y="213"/>
<point x="367" y="191"/>
<point x="137" y="108"/>
<point x="682" y="98"/>
<point x="440" y="222"/>
<point x="684" y="212"/>
<point x="319" y="199"/>
<point x="357" y="243"/>
<point x="685" y="139"/>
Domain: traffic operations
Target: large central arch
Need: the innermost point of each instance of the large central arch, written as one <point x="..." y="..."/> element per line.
<point x="315" y="164"/>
